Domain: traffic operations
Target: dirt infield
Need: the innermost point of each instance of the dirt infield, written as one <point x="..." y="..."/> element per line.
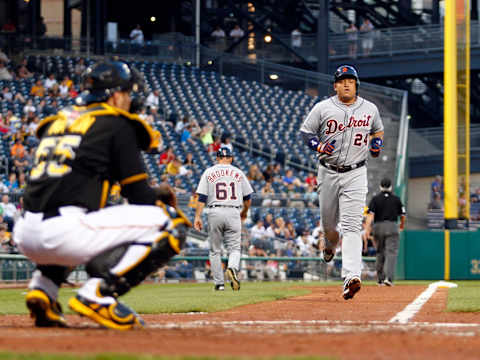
<point x="321" y="323"/>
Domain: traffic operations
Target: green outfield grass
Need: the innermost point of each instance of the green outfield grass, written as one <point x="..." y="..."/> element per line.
<point x="12" y="356"/>
<point x="465" y="298"/>
<point x="190" y="297"/>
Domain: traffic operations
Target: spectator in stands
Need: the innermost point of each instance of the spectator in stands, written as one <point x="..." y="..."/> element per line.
<point x="22" y="70"/>
<point x="9" y="212"/>
<point x="268" y="222"/>
<point x="9" y="96"/>
<point x="38" y="89"/>
<point x="215" y="146"/>
<point x="19" y="160"/>
<point x="291" y="233"/>
<point x="227" y="142"/>
<point x="4" y="72"/>
<point x="436" y="187"/>
<point x="206" y="135"/>
<point x="187" y="135"/>
<point x="352" y="37"/>
<point x="367" y="36"/>
<point x="436" y="203"/>
<point x="167" y="156"/>
<point x="268" y="173"/>
<point x="50" y="81"/>
<point x="257" y="231"/>
<point x="277" y="173"/>
<point x="72" y="92"/>
<point x="311" y="196"/>
<point x="189" y="162"/>
<point x="195" y="129"/>
<point x="290" y="179"/>
<point x="267" y="193"/>
<point x="64" y="87"/>
<point x="296" y="39"/>
<point x="136" y="36"/>
<point x="79" y="68"/>
<point x="178" y="186"/>
<point x="17" y="149"/>
<point x="311" y="179"/>
<point x="219" y="37"/>
<point x="236" y="33"/>
<point x="176" y="168"/>
<point x="50" y="108"/>
<point x="153" y="99"/>
<point x="22" y="183"/>
<point x="254" y="173"/>
<point x="305" y="243"/>
<point x="180" y="125"/>
<point x="29" y="107"/>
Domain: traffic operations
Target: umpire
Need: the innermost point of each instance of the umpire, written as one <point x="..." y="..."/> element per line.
<point x="384" y="210"/>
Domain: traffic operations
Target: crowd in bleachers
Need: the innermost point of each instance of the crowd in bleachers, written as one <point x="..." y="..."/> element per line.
<point x="34" y="87"/>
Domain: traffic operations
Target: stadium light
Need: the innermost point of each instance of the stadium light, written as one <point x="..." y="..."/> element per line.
<point x="210" y="62"/>
<point x="273" y="77"/>
<point x="268" y="38"/>
<point x="153" y="18"/>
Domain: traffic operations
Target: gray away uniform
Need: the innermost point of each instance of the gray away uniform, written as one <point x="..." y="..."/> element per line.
<point x="225" y="187"/>
<point x="342" y="176"/>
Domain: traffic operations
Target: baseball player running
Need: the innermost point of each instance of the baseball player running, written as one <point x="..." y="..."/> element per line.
<point x="84" y="149"/>
<point x="342" y="129"/>
<point x="223" y="188"/>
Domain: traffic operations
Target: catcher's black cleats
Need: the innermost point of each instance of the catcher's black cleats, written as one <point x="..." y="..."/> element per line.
<point x="234" y="282"/>
<point x="219" y="287"/>
<point x="114" y="316"/>
<point x="328" y="255"/>
<point x="351" y="287"/>
<point x="44" y="311"/>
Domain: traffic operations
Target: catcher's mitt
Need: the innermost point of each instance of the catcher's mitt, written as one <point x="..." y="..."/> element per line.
<point x="166" y="194"/>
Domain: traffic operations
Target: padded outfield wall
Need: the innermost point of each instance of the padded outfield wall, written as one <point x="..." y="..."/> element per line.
<point x="436" y="255"/>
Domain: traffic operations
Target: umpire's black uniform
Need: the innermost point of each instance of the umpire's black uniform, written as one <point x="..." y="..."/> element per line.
<point x="384" y="209"/>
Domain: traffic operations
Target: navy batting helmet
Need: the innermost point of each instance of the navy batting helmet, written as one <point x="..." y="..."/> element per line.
<point x="346" y="71"/>
<point x="104" y="78"/>
<point x="224" y="152"/>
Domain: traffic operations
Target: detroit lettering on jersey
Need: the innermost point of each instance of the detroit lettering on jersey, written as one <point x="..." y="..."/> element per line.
<point x="333" y="126"/>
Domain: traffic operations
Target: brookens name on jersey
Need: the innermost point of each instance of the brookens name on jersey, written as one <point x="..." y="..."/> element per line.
<point x="214" y="176"/>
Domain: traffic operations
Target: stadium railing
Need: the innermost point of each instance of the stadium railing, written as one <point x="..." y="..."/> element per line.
<point x="16" y="268"/>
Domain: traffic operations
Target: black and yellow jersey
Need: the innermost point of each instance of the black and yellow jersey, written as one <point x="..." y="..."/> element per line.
<point x="85" y="149"/>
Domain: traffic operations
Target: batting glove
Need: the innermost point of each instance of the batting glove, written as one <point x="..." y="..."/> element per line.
<point x="326" y="148"/>
<point x="376" y="145"/>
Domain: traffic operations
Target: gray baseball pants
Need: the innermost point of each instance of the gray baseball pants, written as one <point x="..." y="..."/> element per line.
<point x="224" y="227"/>
<point x="386" y="237"/>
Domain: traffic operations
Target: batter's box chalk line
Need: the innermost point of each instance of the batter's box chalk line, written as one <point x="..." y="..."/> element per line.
<point x="414" y="307"/>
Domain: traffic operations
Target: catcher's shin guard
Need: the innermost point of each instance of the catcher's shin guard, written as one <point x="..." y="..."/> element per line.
<point x="44" y="311"/>
<point x="118" y="282"/>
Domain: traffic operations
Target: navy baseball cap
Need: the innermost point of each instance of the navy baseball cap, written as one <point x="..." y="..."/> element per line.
<point x="224" y="152"/>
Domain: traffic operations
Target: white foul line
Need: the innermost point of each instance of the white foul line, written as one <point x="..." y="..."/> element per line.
<point x="411" y="309"/>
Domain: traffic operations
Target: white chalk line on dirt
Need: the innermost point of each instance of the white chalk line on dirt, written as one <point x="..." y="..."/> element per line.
<point x="404" y="316"/>
<point x="323" y="326"/>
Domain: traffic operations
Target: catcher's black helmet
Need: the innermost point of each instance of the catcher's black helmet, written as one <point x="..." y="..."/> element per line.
<point x="104" y="78"/>
<point x="224" y="152"/>
<point x="346" y="71"/>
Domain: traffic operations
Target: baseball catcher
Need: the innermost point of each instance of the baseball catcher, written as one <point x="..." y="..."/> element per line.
<point x="83" y="149"/>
